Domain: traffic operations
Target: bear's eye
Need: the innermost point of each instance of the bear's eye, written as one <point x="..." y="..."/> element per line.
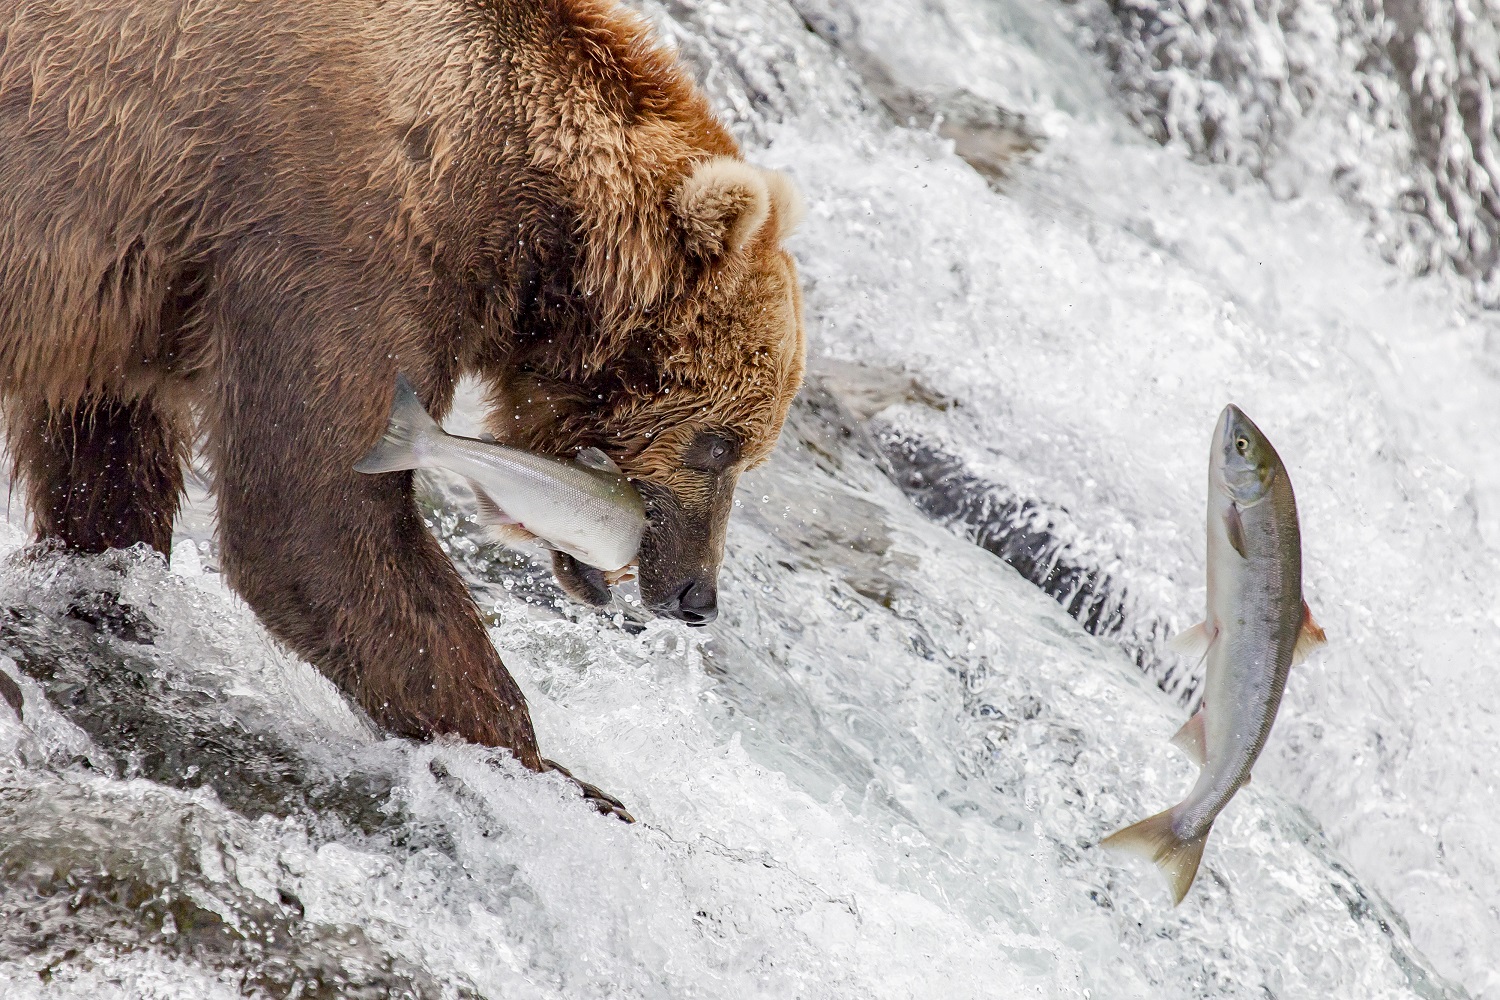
<point x="712" y="451"/>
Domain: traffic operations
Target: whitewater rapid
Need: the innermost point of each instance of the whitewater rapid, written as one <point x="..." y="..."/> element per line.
<point x="883" y="771"/>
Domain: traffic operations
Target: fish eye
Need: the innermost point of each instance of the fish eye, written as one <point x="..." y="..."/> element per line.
<point x="1241" y="444"/>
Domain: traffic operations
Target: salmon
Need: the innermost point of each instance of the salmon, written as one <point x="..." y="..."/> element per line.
<point x="584" y="507"/>
<point x="1258" y="626"/>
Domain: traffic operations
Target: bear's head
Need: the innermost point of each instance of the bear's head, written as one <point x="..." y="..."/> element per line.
<point x="676" y="347"/>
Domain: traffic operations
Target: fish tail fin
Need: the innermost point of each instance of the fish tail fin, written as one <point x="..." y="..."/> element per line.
<point x="1154" y="839"/>
<point x="409" y="424"/>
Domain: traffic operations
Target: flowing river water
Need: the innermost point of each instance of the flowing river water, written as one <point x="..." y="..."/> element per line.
<point x="1045" y="244"/>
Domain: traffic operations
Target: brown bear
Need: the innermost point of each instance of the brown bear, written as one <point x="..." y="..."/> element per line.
<point x="228" y="224"/>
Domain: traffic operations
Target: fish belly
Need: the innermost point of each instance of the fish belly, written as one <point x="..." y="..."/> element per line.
<point x="552" y="501"/>
<point x="1236" y="695"/>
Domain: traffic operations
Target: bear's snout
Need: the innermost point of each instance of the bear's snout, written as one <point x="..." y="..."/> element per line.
<point x="681" y="552"/>
<point x="697" y="603"/>
<point x="693" y="599"/>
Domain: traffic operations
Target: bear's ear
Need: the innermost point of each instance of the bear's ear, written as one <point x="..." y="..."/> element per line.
<point x="786" y="203"/>
<point x="720" y="206"/>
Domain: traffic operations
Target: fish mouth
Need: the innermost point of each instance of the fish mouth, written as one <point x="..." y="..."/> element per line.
<point x="1233" y="425"/>
<point x="1231" y="422"/>
<point x="1242" y="476"/>
<point x="1236" y="423"/>
<point x="1221" y="447"/>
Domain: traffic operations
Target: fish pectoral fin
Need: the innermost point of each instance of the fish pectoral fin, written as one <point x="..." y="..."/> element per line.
<point x="1153" y="838"/>
<point x="1190" y="739"/>
<point x="1235" y="528"/>
<point x="593" y="458"/>
<point x="490" y="514"/>
<point x="510" y="535"/>
<point x="1192" y="642"/>
<point x="1309" y="637"/>
<point x="624" y="574"/>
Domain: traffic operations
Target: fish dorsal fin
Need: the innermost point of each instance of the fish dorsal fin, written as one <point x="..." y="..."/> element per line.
<point x="1192" y="642"/>
<point x="1190" y="739"/>
<point x="593" y="458"/>
<point x="1235" y="528"/>
<point x="490" y="514"/>
<point x="1309" y="637"/>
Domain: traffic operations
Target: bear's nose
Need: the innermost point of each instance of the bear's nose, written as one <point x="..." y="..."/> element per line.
<point x="698" y="602"/>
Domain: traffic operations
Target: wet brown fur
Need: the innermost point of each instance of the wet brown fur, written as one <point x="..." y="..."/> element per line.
<point x="233" y="222"/>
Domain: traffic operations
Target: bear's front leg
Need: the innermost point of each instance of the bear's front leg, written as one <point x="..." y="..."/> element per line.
<point x="340" y="567"/>
<point x="583" y="583"/>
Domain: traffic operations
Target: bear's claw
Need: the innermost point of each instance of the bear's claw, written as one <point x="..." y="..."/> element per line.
<point x="601" y="800"/>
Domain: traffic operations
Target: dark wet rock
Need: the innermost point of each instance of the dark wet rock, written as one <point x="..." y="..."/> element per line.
<point x="864" y="390"/>
<point x="11" y="692"/>
<point x="839" y="411"/>
<point x="107" y="615"/>
<point x="1237" y="84"/>
<point x="117" y="689"/>
<point x="758" y="71"/>
<point x="1029" y="535"/>
<point x="70" y="887"/>
<point x="991" y="138"/>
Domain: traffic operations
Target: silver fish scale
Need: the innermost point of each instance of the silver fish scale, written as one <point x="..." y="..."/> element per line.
<point x="581" y="511"/>
<point x="1249" y="663"/>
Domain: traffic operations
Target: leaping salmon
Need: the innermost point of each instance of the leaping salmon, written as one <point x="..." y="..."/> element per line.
<point x="1258" y="626"/>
